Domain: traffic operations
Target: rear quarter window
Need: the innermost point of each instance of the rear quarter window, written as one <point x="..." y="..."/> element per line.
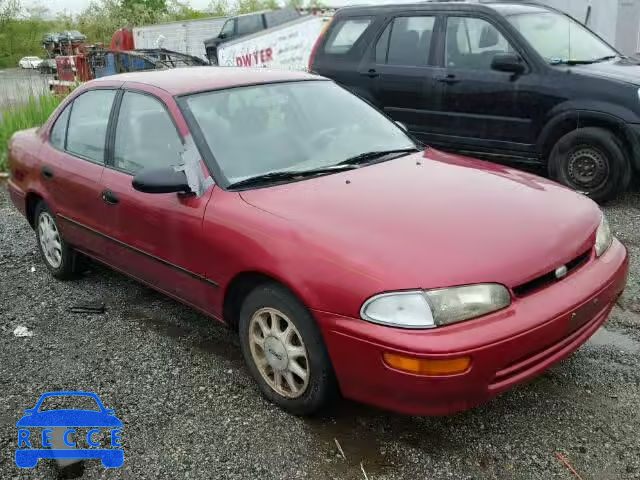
<point x="344" y="34"/>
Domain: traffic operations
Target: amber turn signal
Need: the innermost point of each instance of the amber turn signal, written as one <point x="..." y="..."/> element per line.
<point x="427" y="366"/>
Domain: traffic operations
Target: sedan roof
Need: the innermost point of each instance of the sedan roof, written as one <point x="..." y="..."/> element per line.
<point x="180" y="81"/>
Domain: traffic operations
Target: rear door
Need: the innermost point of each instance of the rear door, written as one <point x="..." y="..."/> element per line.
<point x="400" y="68"/>
<point x="72" y="167"/>
<point x="341" y="53"/>
<point x="156" y="238"/>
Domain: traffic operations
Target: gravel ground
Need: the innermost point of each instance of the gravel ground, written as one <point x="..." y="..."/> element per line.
<point x="17" y="85"/>
<point x="190" y="410"/>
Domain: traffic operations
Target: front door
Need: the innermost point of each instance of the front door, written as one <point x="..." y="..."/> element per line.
<point x="155" y="237"/>
<point x="402" y="71"/>
<point x="482" y="109"/>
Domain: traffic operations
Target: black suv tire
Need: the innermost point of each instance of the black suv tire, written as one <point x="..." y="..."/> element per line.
<point x="591" y="160"/>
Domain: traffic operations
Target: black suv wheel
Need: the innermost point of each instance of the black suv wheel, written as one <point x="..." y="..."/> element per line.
<point x="592" y="161"/>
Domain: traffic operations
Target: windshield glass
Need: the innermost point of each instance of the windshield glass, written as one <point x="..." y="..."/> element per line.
<point x="559" y="39"/>
<point x="297" y="126"/>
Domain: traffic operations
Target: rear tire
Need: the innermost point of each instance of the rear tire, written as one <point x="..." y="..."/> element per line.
<point x="299" y="359"/>
<point x="593" y="161"/>
<point x="59" y="258"/>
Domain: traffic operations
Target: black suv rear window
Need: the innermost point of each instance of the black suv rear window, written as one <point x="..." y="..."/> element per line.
<point x="344" y="34"/>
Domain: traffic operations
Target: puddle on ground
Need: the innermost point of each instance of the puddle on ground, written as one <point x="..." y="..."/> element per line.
<point x="609" y="338"/>
<point x="353" y="426"/>
<point x="222" y="347"/>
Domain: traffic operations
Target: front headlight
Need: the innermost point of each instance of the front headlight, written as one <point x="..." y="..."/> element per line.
<point x="433" y="308"/>
<point x="604" y="237"/>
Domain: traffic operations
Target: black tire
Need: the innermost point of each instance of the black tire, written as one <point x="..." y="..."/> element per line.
<point x="66" y="270"/>
<point x="321" y="389"/>
<point x="593" y="161"/>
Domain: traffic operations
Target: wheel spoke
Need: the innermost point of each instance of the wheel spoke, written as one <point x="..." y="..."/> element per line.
<point x="294" y="367"/>
<point x="288" y="376"/>
<point x="295" y="351"/>
<point x="257" y="340"/>
<point x="277" y="379"/>
<point x="263" y="326"/>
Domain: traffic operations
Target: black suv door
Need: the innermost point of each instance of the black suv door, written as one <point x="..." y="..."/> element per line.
<point x="399" y="69"/>
<point x="483" y="109"/>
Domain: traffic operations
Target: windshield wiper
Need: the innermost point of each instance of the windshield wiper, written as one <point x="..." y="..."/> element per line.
<point x="585" y="62"/>
<point x="375" y="155"/>
<point x="285" y="175"/>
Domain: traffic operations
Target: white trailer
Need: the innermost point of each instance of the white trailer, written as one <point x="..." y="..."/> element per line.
<point x="287" y="46"/>
<point x="185" y="36"/>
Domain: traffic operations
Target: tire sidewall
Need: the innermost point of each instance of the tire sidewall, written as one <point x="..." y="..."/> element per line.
<point x="321" y="388"/>
<point x="606" y="143"/>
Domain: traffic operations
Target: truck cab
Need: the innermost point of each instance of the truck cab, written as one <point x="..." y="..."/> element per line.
<point x="242" y="25"/>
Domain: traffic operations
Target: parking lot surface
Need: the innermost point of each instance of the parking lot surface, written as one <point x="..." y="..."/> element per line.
<point x="189" y="409"/>
<point x="17" y="85"/>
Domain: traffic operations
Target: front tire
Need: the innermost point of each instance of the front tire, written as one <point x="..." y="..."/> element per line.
<point x="59" y="257"/>
<point x="592" y="161"/>
<point x="284" y="351"/>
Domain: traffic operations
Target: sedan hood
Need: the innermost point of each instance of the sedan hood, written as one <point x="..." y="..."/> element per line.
<point x="434" y="220"/>
<point x="625" y="70"/>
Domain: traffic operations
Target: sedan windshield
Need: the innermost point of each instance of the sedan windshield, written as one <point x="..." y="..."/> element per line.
<point x="299" y="127"/>
<point x="559" y="39"/>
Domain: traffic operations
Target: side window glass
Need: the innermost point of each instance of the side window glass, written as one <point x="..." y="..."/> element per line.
<point x="228" y="27"/>
<point x="88" y="124"/>
<point x="382" y="47"/>
<point x="345" y="34"/>
<point x="472" y="43"/>
<point x="145" y="135"/>
<point x="59" y="130"/>
<point x="249" y="24"/>
<point x="410" y="41"/>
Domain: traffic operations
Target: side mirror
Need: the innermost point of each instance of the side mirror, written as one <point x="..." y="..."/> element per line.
<point x="161" y="180"/>
<point x="30" y="410"/>
<point x="222" y="35"/>
<point x="507" y="62"/>
<point x="402" y="126"/>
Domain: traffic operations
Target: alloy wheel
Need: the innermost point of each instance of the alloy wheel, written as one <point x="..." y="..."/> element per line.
<point x="50" y="240"/>
<point x="279" y="352"/>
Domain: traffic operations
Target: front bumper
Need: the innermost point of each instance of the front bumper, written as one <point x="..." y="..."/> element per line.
<point x="506" y="348"/>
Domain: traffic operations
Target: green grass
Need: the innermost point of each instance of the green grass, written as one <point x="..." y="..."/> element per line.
<point x="33" y="113"/>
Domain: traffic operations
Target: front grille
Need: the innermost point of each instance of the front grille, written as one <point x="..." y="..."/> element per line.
<point x="549" y="278"/>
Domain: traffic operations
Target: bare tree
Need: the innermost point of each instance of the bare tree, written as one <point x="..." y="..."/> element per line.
<point x="9" y="10"/>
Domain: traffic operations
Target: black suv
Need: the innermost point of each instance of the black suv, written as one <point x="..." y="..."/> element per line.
<point x="512" y="82"/>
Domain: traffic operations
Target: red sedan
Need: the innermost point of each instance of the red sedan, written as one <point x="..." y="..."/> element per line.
<point x="349" y="258"/>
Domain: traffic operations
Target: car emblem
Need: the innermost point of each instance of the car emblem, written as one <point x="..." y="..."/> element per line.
<point x="561" y="272"/>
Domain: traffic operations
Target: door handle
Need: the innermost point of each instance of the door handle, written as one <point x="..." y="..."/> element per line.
<point x="109" y="197"/>
<point x="371" y="73"/>
<point x="46" y="172"/>
<point x="449" y="79"/>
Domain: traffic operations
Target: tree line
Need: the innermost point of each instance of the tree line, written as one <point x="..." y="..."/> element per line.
<point x="22" y="27"/>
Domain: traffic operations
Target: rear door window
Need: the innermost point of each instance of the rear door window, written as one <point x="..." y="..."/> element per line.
<point x="250" y="24"/>
<point x="88" y="123"/>
<point x="406" y="41"/>
<point x="345" y="34"/>
<point x="59" y="130"/>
